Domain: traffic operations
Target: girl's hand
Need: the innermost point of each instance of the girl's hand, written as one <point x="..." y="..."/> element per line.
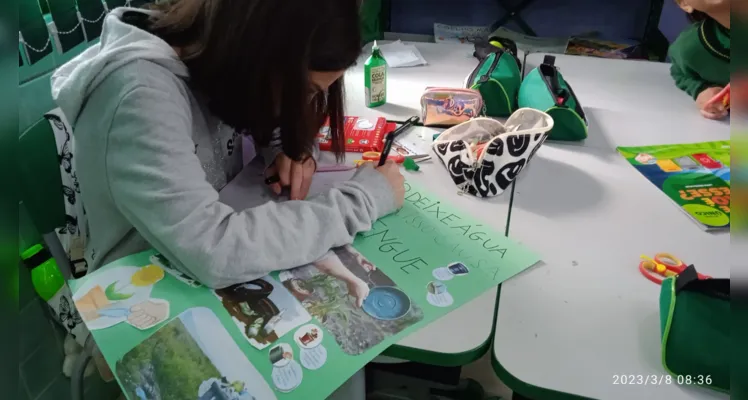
<point x="391" y="172"/>
<point x="359" y="290"/>
<point x="709" y="109"/>
<point x="294" y="174"/>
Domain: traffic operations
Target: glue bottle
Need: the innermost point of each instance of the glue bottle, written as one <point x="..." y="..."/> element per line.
<point x="50" y="285"/>
<point x="375" y="78"/>
<point x="45" y="275"/>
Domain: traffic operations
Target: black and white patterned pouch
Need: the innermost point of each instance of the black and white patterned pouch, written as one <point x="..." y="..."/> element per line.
<point x="483" y="156"/>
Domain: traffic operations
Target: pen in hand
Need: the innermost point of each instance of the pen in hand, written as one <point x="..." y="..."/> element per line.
<point x="391" y="137"/>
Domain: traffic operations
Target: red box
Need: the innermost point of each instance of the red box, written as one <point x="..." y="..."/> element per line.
<point x="707" y="161"/>
<point x="361" y="134"/>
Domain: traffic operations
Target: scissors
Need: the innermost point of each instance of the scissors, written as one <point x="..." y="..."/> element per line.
<point x="665" y="265"/>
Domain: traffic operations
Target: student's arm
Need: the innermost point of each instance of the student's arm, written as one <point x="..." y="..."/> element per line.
<point x="159" y="185"/>
<point x="686" y="80"/>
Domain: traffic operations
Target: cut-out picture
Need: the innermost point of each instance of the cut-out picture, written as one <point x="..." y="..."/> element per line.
<point x="288" y="377"/>
<point x="263" y="310"/>
<point x="308" y="336"/>
<point x="437" y="294"/>
<point x="191" y="357"/>
<point x="162" y="262"/>
<point x="450" y="271"/>
<point x="355" y="302"/>
<point x="115" y="295"/>
<point x="287" y="373"/>
<point x="313" y="359"/>
<point x="280" y="355"/>
<point x="148" y="314"/>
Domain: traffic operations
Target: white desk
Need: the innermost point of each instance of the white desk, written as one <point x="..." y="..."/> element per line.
<point x="632" y="103"/>
<point x="438" y="343"/>
<point x="586" y="314"/>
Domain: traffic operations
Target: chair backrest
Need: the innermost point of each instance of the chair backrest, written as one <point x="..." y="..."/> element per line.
<point x="92" y="13"/>
<point x="41" y="183"/>
<point x="69" y="29"/>
<point x="112" y="4"/>
<point x="34" y="30"/>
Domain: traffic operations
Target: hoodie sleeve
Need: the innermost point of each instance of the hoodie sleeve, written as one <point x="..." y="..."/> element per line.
<point x="158" y="184"/>
<point x="686" y="78"/>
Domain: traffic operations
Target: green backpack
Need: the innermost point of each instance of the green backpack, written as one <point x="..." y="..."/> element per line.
<point x="695" y="320"/>
<point x="545" y="89"/>
<point x="497" y="78"/>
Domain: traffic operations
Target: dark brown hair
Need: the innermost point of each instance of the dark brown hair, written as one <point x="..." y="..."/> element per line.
<point x="251" y="59"/>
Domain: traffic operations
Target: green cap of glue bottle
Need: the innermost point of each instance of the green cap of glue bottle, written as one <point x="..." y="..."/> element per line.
<point x="45" y="275"/>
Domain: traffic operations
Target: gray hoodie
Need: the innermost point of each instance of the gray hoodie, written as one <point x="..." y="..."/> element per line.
<point x="151" y="159"/>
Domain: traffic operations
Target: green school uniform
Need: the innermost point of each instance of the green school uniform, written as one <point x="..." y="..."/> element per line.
<point x="701" y="57"/>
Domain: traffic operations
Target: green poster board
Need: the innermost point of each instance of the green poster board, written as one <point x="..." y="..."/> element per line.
<point x="298" y="332"/>
<point x="695" y="176"/>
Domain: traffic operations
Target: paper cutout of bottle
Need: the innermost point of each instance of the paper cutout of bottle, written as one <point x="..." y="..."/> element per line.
<point x="375" y="78"/>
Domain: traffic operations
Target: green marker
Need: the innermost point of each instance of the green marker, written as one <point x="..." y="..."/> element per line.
<point x="375" y="78"/>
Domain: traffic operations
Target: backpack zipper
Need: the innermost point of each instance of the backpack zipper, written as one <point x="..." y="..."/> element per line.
<point x="484" y="78"/>
<point x="559" y="97"/>
<point x="560" y="100"/>
<point x="578" y="109"/>
<point x="494" y="64"/>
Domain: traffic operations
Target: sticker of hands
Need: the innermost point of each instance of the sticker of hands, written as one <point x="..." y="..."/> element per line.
<point x="122" y="294"/>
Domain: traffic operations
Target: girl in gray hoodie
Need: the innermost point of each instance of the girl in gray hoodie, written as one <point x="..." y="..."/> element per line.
<point x="157" y="108"/>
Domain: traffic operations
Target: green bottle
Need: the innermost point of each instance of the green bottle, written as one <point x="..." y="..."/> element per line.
<point x="375" y="78"/>
<point x="45" y="275"/>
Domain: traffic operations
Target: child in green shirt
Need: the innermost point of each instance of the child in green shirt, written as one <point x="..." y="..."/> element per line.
<point x="701" y="54"/>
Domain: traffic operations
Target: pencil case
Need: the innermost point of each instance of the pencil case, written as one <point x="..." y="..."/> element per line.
<point x="483" y="156"/>
<point x="545" y="89"/>
<point x="497" y="77"/>
<point x="695" y="319"/>
<point x="449" y="106"/>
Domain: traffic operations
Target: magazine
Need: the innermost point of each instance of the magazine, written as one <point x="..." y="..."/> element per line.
<point x="695" y="176"/>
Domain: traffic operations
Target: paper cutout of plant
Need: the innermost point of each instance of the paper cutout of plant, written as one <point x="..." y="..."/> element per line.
<point x="114" y="295"/>
<point x="145" y="276"/>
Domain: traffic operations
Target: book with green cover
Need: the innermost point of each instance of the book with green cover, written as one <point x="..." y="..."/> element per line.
<point x="695" y="176"/>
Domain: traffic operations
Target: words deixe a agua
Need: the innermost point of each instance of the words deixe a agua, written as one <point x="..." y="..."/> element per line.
<point x="427" y="214"/>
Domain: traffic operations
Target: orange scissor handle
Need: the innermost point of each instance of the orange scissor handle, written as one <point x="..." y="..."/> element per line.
<point x="649" y="267"/>
<point x="665" y="265"/>
<point x="375" y="155"/>
<point x="669" y="260"/>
